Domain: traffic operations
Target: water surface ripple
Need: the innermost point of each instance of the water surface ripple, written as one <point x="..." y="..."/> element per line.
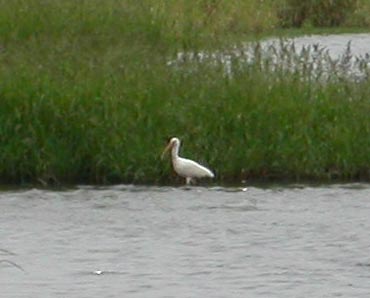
<point x="128" y="241"/>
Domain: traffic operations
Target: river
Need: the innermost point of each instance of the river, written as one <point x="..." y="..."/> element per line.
<point x="136" y="241"/>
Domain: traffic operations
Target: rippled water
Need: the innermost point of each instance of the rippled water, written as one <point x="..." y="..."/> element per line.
<point x="128" y="241"/>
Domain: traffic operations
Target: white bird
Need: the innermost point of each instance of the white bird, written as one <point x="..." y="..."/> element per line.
<point x="186" y="168"/>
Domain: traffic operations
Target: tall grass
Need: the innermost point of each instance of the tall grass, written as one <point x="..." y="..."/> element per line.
<point x="87" y="95"/>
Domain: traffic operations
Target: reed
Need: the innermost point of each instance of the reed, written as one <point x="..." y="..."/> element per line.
<point x="88" y="95"/>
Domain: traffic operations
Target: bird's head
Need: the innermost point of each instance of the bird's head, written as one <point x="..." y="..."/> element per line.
<point x="171" y="143"/>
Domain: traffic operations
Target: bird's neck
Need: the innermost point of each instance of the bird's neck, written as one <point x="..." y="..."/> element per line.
<point x="175" y="152"/>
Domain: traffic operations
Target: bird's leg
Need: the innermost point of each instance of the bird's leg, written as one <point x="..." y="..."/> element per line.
<point x="188" y="180"/>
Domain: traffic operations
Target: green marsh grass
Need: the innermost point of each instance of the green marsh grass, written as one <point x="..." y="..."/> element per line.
<point x="87" y="96"/>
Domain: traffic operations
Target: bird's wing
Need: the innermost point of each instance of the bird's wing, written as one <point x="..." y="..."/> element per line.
<point x="190" y="168"/>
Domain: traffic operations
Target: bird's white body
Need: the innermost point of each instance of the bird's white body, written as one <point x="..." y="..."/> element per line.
<point x="184" y="167"/>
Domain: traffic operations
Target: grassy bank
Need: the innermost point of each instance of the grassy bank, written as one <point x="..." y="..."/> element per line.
<point x="86" y="95"/>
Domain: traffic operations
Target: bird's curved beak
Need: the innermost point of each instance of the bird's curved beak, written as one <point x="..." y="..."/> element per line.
<point x="168" y="147"/>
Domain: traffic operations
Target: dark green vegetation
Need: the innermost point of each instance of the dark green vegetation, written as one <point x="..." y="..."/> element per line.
<point x="323" y="13"/>
<point x="86" y="95"/>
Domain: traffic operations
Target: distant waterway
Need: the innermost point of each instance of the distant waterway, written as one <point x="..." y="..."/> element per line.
<point x="137" y="241"/>
<point x="335" y="44"/>
<point x="344" y="55"/>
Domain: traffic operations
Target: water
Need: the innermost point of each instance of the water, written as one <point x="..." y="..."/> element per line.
<point x="348" y="55"/>
<point x="128" y="241"/>
<point x="336" y="44"/>
<point x="345" y="55"/>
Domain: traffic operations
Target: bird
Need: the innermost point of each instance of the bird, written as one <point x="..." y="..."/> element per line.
<point x="184" y="167"/>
